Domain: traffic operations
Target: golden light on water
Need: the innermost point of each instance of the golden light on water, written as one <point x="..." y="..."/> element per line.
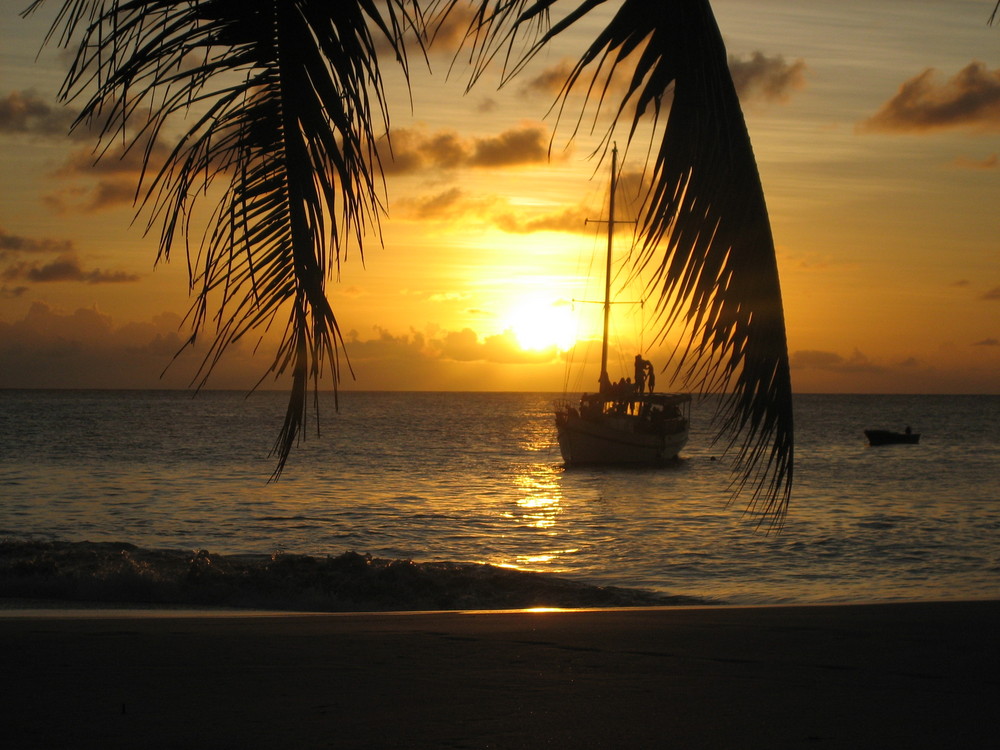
<point x="540" y="504"/>
<point x="539" y="507"/>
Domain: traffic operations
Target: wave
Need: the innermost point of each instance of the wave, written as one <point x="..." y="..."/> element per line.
<point x="118" y="572"/>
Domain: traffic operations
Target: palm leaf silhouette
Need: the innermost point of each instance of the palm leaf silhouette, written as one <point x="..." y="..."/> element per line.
<point x="286" y="96"/>
<point x="705" y="229"/>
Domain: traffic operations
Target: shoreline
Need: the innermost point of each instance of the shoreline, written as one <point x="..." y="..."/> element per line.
<point x="120" y="573"/>
<point x="920" y="674"/>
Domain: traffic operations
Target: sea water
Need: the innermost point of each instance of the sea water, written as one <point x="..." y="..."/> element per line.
<point x="477" y="477"/>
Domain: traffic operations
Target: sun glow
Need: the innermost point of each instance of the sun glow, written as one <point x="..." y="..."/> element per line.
<point x="539" y="324"/>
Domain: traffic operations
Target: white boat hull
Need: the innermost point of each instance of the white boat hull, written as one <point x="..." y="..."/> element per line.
<point x="612" y="441"/>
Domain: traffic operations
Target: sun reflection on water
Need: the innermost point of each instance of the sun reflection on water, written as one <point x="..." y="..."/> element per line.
<point x="539" y="503"/>
<point x="540" y="500"/>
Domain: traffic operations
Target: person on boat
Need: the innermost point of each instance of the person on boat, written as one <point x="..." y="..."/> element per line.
<point x="650" y="375"/>
<point x="640" y="373"/>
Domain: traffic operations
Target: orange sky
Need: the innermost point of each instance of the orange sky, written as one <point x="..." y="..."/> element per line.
<point x="877" y="132"/>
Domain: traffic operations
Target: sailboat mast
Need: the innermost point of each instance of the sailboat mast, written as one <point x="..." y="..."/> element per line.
<point x="607" y="267"/>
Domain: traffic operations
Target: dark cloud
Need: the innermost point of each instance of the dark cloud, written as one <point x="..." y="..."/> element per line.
<point x="50" y="348"/>
<point x="989" y="163"/>
<point x="969" y="100"/>
<point x="111" y="181"/>
<point x="571" y="220"/>
<point x="13" y="243"/>
<point x="8" y="292"/>
<point x="987" y="342"/>
<point x="550" y="81"/>
<point x="411" y="151"/>
<point x="771" y="79"/>
<point x="104" y="194"/>
<point x="487" y="105"/>
<point x="992" y="295"/>
<point x="453" y="346"/>
<point x="448" y="204"/>
<point x="118" y="160"/>
<point x="814" y="358"/>
<point x="440" y="205"/>
<point x="26" y="113"/>
<point x="822" y="360"/>
<point x="757" y="77"/>
<point x="64" y="268"/>
<point x="453" y="30"/>
<point x="529" y="145"/>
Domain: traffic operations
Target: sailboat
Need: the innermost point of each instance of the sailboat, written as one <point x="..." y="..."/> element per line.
<point x="621" y="424"/>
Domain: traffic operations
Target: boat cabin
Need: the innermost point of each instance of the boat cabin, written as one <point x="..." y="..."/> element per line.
<point x="656" y="412"/>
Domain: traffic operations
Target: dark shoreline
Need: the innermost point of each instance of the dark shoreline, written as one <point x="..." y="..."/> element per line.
<point x="119" y="573"/>
<point x="920" y="675"/>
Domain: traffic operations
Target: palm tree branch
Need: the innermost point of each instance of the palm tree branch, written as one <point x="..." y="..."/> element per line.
<point x="285" y="144"/>
<point x="704" y="225"/>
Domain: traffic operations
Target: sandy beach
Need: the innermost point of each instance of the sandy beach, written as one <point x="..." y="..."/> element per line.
<point x="860" y="676"/>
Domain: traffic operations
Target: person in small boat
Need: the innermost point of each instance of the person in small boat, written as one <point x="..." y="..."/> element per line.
<point x="650" y="375"/>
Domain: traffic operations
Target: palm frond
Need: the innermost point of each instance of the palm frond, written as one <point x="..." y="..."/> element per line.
<point x="705" y="228"/>
<point x="287" y="104"/>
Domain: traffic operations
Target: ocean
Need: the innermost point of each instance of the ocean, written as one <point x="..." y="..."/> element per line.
<point x="477" y="478"/>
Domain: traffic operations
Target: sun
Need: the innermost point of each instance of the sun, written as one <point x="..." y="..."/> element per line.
<point x="543" y="324"/>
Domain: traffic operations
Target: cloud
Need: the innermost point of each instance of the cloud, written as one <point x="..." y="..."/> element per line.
<point x="449" y="204"/>
<point x="64" y="268"/>
<point x="550" y="81"/>
<point x="571" y="220"/>
<point x="438" y="205"/>
<point x="26" y="113"/>
<point x="574" y="219"/>
<point x="969" y="100"/>
<point x="992" y="295"/>
<point x="448" y="297"/>
<point x="487" y="104"/>
<point x="51" y="348"/>
<point x="115" y="177"/>
<point x="990" y="162"/>
<point x="408" y="151"/>
<point x="757" y="77"/>
<point x="770" y="79"/>
<point x="823" y="360"/>
<point x="13" y="243"/>
<point x="528" y="145"/>
<point x="454" y="29"/>
<point x="452" y="346"/>
<point x="67" y="266"/>
<point x="987" y="342"/>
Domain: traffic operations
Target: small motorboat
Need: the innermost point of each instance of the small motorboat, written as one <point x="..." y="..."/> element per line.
<point x="887" y="437"/>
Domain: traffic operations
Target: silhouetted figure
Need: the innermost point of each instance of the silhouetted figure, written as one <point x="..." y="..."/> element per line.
<point x="641" y="366"/>
<point x="650" y="376"/>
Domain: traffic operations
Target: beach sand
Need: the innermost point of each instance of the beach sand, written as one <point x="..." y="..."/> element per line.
<point x="861" y="676"/>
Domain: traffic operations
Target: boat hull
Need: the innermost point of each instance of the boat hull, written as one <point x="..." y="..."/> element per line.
<point x="584" y="442"/>
<point x="886" y="437"/>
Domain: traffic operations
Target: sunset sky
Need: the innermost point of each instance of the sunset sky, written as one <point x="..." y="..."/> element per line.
<point x="877" y="132"/>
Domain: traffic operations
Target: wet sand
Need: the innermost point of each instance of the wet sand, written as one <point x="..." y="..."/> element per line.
<point x="859" y="676"/>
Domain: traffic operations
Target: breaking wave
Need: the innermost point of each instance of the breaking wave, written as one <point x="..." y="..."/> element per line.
<point x="122" y="573"/>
